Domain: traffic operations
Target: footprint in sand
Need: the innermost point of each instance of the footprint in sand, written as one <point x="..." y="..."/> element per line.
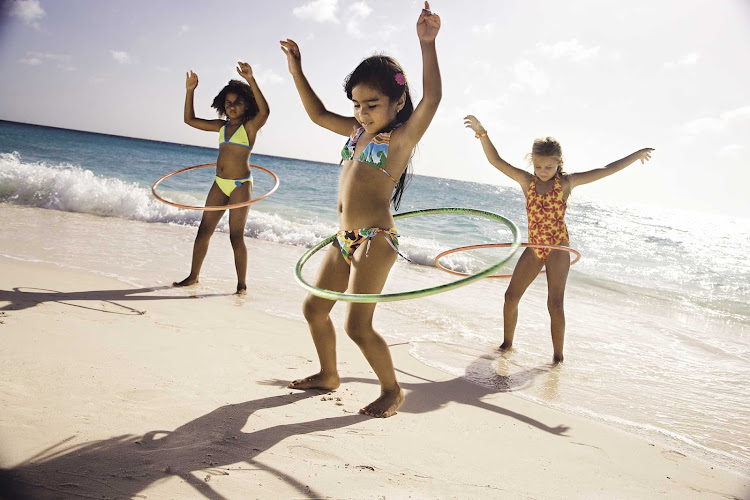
<point x="304" y="452"/>
<point x="673" y="455"/>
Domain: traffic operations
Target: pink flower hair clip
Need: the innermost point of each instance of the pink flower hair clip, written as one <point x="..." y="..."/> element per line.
<point x="400" y="79"/>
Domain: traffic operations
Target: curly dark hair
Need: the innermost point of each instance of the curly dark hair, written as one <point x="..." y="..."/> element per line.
<point x="241" y="89"/>
<point x="382" y="72"/>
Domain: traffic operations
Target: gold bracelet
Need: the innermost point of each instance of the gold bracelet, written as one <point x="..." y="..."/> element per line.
<point x="479" y="136"/>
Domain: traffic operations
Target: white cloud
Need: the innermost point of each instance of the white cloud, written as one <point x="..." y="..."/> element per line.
<point x="529" y="75"/>
<point x="386" y="30"/>
<point x="568" y="49"/>
<point x="121" y="56"/>
<point x="489" y="106"/>
<point x="738" y="114"/>
<point x="318" y="10"/>
<point x="686" y="60"/>
<point x="184" y="29"/>
<point x="731" y="150"/>
<point x="482" y="66"/>
<point x="36" y="58"/>
<point x="31" y="61"/>
<point x="268" y="77"/>
<point x="702" y="126"/>
<point x="29" y="11"/>
<point x="360" y="9"/>
<point x="356" y="16"/>
<point x="483" y="30"/>
<point x="714" y="125"/>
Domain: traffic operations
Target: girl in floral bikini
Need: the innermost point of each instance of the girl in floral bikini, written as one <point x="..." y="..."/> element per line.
<point x="546" y="191"/>
<point x="382" y="135"/>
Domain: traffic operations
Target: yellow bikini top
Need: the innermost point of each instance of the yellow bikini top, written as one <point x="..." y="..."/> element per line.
<point x="239" y="138"/>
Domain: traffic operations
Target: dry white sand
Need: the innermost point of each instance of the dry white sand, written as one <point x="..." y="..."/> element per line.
<point x="108" y="391"/>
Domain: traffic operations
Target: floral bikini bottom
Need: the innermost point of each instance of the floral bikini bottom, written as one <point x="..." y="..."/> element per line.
<point x="351" y="239"/>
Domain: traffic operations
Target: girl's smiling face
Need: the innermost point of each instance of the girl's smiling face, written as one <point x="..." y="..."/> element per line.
<point x="545" y="167"/>
<point x="234" y="106"/>
<point x="373" y="109"/>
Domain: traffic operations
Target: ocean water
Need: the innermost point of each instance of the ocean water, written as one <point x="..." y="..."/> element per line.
<point x="658" y="308"/>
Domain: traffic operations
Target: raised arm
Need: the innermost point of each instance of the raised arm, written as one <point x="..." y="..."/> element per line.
<point x="246" y="72"/>
<point x="428" y="26"/>
<point x="317" y="112"/>
<point x="594" y="175"/>
<point x="191" y="82"/>
<point x="520" y="176"/>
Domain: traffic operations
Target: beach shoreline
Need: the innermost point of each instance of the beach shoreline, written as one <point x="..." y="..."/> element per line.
<point x="113" y="390"/>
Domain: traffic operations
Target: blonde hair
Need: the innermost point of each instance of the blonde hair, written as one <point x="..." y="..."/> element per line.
<point x="547" y="146"/>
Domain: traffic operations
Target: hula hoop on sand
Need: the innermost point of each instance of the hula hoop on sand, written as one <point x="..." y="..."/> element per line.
<point x="222" y="207"/>
<point x="575" y="252"/>
<point x="424" y="292"/>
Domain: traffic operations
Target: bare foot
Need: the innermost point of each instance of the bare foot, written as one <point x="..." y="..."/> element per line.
<point x="386" y="405"/>
<point x="186" y="282"/>
<point x="317" y="381"/>
<point x="557" y="359"/>
<point x="241" y="289"/>
<point x="505" y="346"/>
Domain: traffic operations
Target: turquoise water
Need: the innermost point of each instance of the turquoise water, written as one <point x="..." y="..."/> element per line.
<point x="698" y="261"/>
<point x="658" y="308"/>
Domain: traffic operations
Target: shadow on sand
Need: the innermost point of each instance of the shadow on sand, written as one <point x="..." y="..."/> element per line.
<point x="19" y="299"/>
<point x="123" y="466"/>
<point x="430" y="395"/>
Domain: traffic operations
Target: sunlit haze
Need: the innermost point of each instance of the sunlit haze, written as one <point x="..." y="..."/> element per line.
<point x="603" y="77"/>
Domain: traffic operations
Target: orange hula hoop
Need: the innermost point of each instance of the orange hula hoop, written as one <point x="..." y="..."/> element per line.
<point x="500" y="245"/>
<point x="213" y="208"/>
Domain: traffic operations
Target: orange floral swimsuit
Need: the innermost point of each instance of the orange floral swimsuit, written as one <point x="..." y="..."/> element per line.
<point x="546" y="216"/>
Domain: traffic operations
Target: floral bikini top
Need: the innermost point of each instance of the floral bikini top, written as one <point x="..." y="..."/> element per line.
<point x="374" y="154"/>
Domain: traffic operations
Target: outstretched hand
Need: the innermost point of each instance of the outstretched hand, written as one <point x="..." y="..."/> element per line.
<point x="293" y="56"/>
<point x="644" y="154"/>
<point x="244" y="70"/>
<point x="428" y="24"/>
<point x="470" y="121"/>
<point x="191" y="81"/>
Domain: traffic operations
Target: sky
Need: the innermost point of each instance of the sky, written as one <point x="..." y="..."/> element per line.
<point x="604" y="77"/>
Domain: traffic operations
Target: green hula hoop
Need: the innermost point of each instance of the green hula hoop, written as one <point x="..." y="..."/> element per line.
<point x="424" y="292"/>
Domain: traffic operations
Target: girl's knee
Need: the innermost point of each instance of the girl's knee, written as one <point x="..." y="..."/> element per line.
<point x="511" y="297"/>
<point x="312" y="312"/>
<point x="237" y="239"/>
<point x="356" y="330"/>
<point x="555" y="306"/>
<point x="203" y="235"/>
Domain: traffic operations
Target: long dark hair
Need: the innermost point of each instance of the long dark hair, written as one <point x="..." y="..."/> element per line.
<point x="386" y="74"/>
<point x="244" y="91"/>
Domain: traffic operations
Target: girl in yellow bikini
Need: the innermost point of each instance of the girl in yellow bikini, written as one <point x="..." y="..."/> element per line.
<point x="381" y="135"/>
<point x="547" y="191"/>
<point x="246" y="111"/>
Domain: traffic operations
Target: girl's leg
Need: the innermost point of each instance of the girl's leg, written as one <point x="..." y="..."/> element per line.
<point x="333" y="275"/>
<point x="558" y="265"/>
<point x="369" y="275"/>
<point x="208" y="224"/>
<point x="237" y="221"/>
<point x="526" y="271"/>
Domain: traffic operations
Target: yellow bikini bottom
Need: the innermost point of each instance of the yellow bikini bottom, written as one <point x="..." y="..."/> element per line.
<point x="229" y="185"/>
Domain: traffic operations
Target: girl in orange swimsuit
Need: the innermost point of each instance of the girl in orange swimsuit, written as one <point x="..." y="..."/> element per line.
<point x="547" y="191"/>
<point x="381" y="137"/>
<point x="246" y="111"/>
